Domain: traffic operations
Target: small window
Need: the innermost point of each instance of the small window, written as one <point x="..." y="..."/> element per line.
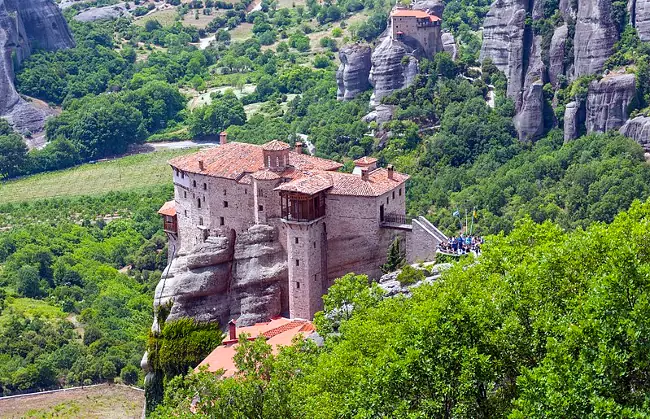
<point x="260" y="207"/>
<point x="205" y="186"/>
<point x="222" y="221"/>
<point x="203" y="198"/>
<point x="198" y="202"/>
<point x="393" y="194"/>
<point x="182" y="175"/>
<point x="400" y="191"/>
<point x="297" y="285"/>
<point x="314" y="245"/>
<point x="224" y="192"/>
<point x="225" y="204"/>
<point x="296" y="240"/>
<point x="315" y="277"/>
<point x="387" y="200"/>
<point x="297" y="262"/>
<point x="186" y="213"/>
<point x="245" y="191"/>
<point x="200" y="221"/>
<point x="194" y="183"/>
<point x="184" y="194"/>
<point x="176" y="172"/>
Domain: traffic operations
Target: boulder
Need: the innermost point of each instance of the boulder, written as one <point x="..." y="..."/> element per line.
<point x="503" y="41"/>
<point x="26" y="25"/>
<point x="529" y="121"/>
<point x="394" y="67"/>
<point x="608" y="100"/>
<point x="556" y="54"/>
<point x="381" y="114"/>
<point x="638" y="129"/>
<point x="103" y="13"/>
<point x="352" y="74"/>
<point x="595" y="36"/>
<point x="574" y="118"/>
<point x="227" y="277"/>
<point x="449" y="45"/>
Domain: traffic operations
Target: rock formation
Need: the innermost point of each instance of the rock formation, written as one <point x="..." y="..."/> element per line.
<point x="437" y="7"/>
<point x="352" y="75"/>
<point x="227" y="277"/>
<point x="503" y="41"/>
<point x="640" y="16"/>
<point x="529" y="121"/>
<point x="100" y="13"/>
<point x="595" y="36"/>
<point x="574" y="118"/>
<point x="638" y="129"/>
<point x="394" y="67"/>
<point x="556" y="54"/>
<point x="608" y="101"/>
<point x="449" y="45"/>
<point x="26" y="25"/>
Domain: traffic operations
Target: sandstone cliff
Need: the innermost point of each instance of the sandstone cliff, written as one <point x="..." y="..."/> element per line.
<point x="574" y="118"/>
<point x="394" y="66"/>
<point x="638" y="129"/>
<point x="608" y="101"/>
<point x="639" y="11"/>
<point x="352" y="75"/>
<point x="227" y="277"/>
<point x="449" y="44"/>
<point x="26" y="25"/>
<point x="529" y="121"/>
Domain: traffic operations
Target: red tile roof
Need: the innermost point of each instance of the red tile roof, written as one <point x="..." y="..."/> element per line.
<point x="365" y="161"/>
<point x="168" y="208"/>
<point x="278" y="332"/>
<point x="265" y="175"/>
<point x="308" y="184"/>
<point x="420" y="14"/>
<point x="338" y="183"/>
<point x="275" y="145"/>
<point x="232" y="160"/>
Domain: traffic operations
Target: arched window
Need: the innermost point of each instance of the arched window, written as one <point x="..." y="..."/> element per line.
<point x="198" y="202"/>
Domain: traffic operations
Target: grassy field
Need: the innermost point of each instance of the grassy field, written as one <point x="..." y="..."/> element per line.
<point x="164" y="17"/>
<point x="132" y="172"/>
<point x="103" y="401"/>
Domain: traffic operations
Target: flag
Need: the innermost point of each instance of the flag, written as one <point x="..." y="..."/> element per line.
<point x="456" y="213"/>
<point x="475" y="214"/>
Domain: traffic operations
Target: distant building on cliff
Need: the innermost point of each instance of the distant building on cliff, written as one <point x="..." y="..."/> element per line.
<point x="420" y="29"/>
<point x="329" y="223"/>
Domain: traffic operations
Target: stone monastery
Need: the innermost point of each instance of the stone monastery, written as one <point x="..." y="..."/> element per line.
<point x="420" y="29"/>
<point x="329" y="223"/>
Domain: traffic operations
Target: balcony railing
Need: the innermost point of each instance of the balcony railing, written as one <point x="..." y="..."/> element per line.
<point x="395" y="219"/>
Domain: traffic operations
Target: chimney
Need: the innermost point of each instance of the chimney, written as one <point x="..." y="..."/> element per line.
<point x="223" y="137"/>
<point x="201" y="164"/>
<point x="391" y="170"/>
<point x="298" y="147"/>
<point x="364" y="173"/>
<point x="232" y="330"/>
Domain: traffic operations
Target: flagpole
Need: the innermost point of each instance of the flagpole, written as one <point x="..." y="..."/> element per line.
<point x="471" y="229"/>
<point x="466" y="220"/>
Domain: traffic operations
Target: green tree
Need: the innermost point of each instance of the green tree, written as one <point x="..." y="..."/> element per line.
<point x="13" y="155"/>
<point x="395" y="258"/>
<point x="224" y="111"/>
<point x="28" y="281"/>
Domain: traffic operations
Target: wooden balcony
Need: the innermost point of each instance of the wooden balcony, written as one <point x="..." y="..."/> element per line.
<point x="170" y="224"/>
<point x="302" y="208"/>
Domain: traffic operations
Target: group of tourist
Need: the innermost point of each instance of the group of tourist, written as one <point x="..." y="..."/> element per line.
<point x="461" y="245"/>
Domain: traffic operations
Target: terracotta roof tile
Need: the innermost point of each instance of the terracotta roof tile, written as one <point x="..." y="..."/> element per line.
<point x="265" y="175"/>
<point x="168" y="208"/>
<point x="232" y="160"/>
<point x="420" y="14"/>
<point x="365" y="161"/>
<point x="308" y="184"/>
<point x="275" y="145"/>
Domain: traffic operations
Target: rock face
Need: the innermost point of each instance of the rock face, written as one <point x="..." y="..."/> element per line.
<point x="595" y="36"/>
<point x="639" y="130"/>
<point x="529" y="122"/>
<point x="102" y="13"/>
<point x="503" y="41"/>
<point x="608" y="101"/>
<point x="641" y="18"/>
<point x="26" y="25"/>
<point x="437" y="7"/>
<point x="574" y="117"/>
<point x="556" y="54"/>
<point x="241" y="277"/>
<point x="352" y="75"/>
<point x="449" y="45"/>
<point x="394" y="67"/>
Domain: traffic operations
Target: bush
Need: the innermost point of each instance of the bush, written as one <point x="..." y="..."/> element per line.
<point x="410" y="275"/>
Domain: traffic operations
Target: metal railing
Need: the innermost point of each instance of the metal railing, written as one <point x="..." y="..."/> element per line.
<point x="395" y="219"/>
